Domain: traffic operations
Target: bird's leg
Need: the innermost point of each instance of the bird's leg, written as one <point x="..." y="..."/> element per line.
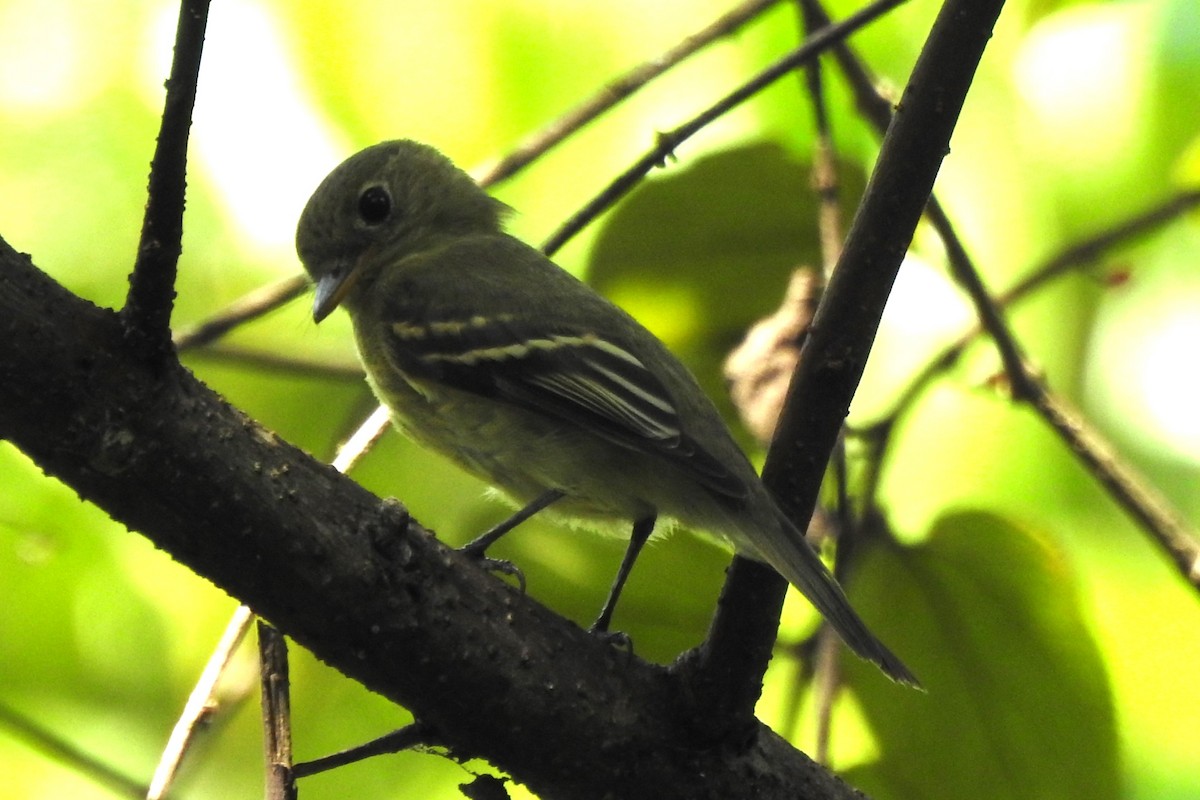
<point x="642" y="529"/>
<point x="477" y="547"/>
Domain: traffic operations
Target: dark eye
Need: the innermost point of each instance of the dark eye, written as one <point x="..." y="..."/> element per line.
<point x="374" y="205"/>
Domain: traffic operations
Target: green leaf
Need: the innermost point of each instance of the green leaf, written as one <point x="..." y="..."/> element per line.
<point x="701" y="253"/>
<point x="1018" y="702"/>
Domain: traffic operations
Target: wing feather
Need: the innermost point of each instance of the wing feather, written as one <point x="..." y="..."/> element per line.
<point x="574" y="376"/>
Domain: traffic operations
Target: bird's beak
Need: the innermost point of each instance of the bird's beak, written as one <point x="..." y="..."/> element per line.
<point x="332" y="288"/>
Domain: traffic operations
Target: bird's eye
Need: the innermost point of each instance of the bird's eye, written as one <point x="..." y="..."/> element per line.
<point x="374" y="205"/>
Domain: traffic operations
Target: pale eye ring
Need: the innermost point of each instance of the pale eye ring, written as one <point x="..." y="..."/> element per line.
<point x="374" y="205"/>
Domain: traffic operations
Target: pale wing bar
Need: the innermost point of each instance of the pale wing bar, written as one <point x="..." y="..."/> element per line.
<point x="578" y="376"/>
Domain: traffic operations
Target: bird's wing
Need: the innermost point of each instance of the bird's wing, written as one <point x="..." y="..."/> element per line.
<point x="576" y="376"/>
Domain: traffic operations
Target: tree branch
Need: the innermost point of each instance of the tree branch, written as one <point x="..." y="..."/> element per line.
<point x="843" y="330"/>
<point x="147" y="311"/>
<point x="354" y="579"/>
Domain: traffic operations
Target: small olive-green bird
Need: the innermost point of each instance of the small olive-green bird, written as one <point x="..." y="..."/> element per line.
<point x="486" y="351"/>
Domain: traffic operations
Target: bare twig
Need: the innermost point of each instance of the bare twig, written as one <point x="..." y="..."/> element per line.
<point x="54" y="746"/>
<point x="276" y="713"/>
<point x="1074" y="256"/>
<point x="200" y="706"/>
<point x="825" y="171"/>
<point x="619" y="89"/>
<point x="347" y="457"/>
<point x="989" y="313"/>
<point x="827" y="683"/>
<point x="147" y="313"/>
<point x="249" y="307"/>
<point x="408" y="737"/>
<point x="878" y="111"/>
<point x="1132" y="491"/>
<point x="361" y="440"/>
<point x="1091" y="248"/>
<point x="668" y="142"/>
<point x="279" y="362"/>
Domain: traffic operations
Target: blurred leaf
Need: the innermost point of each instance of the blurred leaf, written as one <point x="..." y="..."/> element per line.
<point x="1187" y="170"/>
<point x="702" y="253"/>
<point x="1018" y="701"/>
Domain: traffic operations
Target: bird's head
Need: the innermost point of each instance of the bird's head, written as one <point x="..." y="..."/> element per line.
<point x="380" y="205"/>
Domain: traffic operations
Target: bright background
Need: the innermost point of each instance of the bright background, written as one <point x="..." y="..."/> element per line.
<point x="1058" y="645"/>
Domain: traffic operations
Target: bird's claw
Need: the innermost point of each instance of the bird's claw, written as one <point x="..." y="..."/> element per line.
<point x="496" y="565"/>
<point x="617" y="639"/>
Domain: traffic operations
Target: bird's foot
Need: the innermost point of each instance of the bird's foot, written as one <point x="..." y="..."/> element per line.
<point x="494" y="564"/>
<point x="617" y="639"/>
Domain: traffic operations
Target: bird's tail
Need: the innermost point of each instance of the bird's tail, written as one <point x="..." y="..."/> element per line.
<point x="788" y="551"/>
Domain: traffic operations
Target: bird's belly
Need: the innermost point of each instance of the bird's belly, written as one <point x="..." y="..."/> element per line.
<point x="523" y="453"/>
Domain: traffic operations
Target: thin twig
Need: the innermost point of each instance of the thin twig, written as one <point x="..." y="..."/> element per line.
<point x="347" y="456"/>
<point x="408" y="737"/>
<point x="1132" y="491"/>
<point x="246" y="308"/>
<point x="1072" y="257"/>
<point x="825" y="170"/>
<point x="276" y="714"/>
<point x="147" y="312"/>
<point x="987" y="311"/>
<point x="827" y="683"/>
<point x="279" y="362"/>
<point x="361" y="440"/>
<point x="57" y="748"/>
<point x="668" y="142"/>
<point x="1091" y="248"/>
<point x="878" y="111"/>
<point x="200" y="705"/>
<point x="619" y="89"/>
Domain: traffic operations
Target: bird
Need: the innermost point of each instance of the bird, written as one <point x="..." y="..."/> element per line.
<point x="485" y="350"/>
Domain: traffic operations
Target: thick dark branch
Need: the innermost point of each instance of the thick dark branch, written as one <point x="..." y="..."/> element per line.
<point x="354" y="579"/>
<point x="843" y="331"/>
<point x="147" y="311"/>
<point x="836" y="353"/>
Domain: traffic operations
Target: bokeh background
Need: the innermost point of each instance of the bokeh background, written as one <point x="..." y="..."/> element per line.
<point x="1058" y="644"/>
